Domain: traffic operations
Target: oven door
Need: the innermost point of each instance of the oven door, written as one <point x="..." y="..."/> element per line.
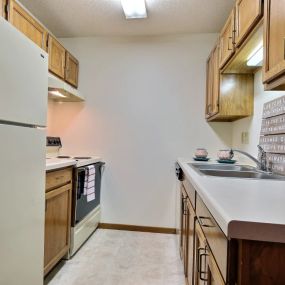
<point x="81" y="206"/>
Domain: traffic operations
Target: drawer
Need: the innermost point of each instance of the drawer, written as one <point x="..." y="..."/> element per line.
<point x="58" y="178"/>
<point x="191" y="192"/>
<point x="216" y="239"/>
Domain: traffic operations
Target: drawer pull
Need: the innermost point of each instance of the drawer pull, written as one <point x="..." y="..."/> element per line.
<point x="206" y="225"/>
<point x="229" y="38"/>
<point x="200" y="262"/>
<point x="59" y="177"/>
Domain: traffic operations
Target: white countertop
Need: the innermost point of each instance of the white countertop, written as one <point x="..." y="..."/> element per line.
<point x="243" y="208"/>
<point x="56" y="163"/>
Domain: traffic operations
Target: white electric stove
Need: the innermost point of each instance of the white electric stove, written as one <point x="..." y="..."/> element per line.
<point x="86" y="211"/>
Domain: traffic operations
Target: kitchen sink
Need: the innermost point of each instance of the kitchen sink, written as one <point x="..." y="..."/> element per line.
<point x="222" y="167"/>
<point x="234" y="171"/>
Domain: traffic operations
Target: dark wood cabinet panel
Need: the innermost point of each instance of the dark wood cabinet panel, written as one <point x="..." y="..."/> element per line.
<point x="261" y="263"/>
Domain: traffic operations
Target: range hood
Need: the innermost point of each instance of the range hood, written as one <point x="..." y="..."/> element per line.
<point x="60" y="91"/>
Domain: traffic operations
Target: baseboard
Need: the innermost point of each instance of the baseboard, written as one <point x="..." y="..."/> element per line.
<point x="137" y="228"/>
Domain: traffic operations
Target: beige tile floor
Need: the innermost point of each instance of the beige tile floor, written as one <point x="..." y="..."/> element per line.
<point x="112" y="257"/>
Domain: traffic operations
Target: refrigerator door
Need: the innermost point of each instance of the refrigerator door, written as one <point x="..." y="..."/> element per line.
<point x="22" y="205"/>
<point x="23" y="78"/>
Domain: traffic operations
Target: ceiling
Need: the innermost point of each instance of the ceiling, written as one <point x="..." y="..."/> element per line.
<point x="84" y="18"/>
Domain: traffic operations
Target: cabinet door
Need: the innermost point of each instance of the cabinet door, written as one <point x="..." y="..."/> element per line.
<point x="209" y="94"/>
<point x="57" y="225"/>
<point x="227" y="40"/>
<point x="190" y="243"/>
<point x="216" y="81"/>
<point x="213" y="83"/>
<point x="184" y="229"/>
<point x="2" y="8"/>
<point x="25" y="23"/>
<point x="71" y="70"/>
<point x="248" y="13"/>
<point x="274" y="39"/>
<point x="56" y="57"/>
<point x="214" y="276"/>
<point x="200" y="257"/>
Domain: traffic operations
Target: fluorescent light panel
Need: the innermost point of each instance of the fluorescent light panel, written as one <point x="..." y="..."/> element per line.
<point x="134" y="9"/>
<point x="57" y="93"/>
<point x="256" y="57"/>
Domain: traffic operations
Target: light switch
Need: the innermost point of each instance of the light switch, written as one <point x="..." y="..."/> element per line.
<point x="245" y="138"/>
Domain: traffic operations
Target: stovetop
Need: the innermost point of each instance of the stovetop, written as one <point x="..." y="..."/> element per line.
<point x="54" y="151"/>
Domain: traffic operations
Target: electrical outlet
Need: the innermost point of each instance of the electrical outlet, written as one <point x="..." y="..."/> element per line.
<point x="245" y="138"/>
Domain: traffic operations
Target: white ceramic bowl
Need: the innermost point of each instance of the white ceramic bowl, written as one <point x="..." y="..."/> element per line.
<point x="201" y="153"/>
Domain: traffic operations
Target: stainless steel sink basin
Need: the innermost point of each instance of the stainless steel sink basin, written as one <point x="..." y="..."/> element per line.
<point x="222" y="167"/>
<point x="242" y="174"/>
<point x="233" y="171"/>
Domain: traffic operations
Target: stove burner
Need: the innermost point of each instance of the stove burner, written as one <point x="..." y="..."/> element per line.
<point x="82" y="157"/>
<point x="63" y="156"/>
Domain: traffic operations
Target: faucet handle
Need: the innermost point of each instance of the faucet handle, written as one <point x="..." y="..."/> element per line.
<point x="260" y="148"/>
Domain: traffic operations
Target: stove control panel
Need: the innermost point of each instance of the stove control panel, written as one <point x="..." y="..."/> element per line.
<point x="53" y="141"/>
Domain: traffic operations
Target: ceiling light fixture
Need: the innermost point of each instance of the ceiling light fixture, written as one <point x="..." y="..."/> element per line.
<point x="256" y="57"/>
<point x="134" y="9"/>
<point x="57" y="93"/>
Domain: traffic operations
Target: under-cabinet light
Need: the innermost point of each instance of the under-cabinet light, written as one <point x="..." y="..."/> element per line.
<point x="256" y="57"/>
<point x="134" y="9"/>
<point x="57" y="93"/>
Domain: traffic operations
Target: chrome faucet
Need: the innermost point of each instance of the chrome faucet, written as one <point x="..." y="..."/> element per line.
<point x="261" y="163"/>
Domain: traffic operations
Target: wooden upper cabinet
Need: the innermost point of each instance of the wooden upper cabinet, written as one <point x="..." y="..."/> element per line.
<point x="213" y="83"/>
<point x="2" y="8"/>
<point x="56" y="57"/>
<point x="25" y="23"/>
<point x="227" y="40"/>
<point x="71" y="70"/>
<point x="248" y="13"/>
<point x="274" y="40"/>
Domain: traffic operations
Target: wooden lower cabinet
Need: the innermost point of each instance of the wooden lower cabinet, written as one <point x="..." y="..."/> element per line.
<point x="210" y="258"/>
<point x="57" y="220"/>
<point x="187" y="236"/>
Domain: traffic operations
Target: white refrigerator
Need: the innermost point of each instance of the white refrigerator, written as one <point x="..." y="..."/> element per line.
<point x="23" y="108"/>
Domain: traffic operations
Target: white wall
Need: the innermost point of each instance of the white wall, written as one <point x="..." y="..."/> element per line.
<point x="144" y="107"/>
<point x="253" y="124"/>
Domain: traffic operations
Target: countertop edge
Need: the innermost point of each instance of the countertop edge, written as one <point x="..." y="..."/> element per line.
<point x="250" y="230"/>
<point x="55" y="166"/>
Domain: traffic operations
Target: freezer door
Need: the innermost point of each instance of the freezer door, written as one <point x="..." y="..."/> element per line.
<point x="22" y="205"/>
<point x="23" y="78"/>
